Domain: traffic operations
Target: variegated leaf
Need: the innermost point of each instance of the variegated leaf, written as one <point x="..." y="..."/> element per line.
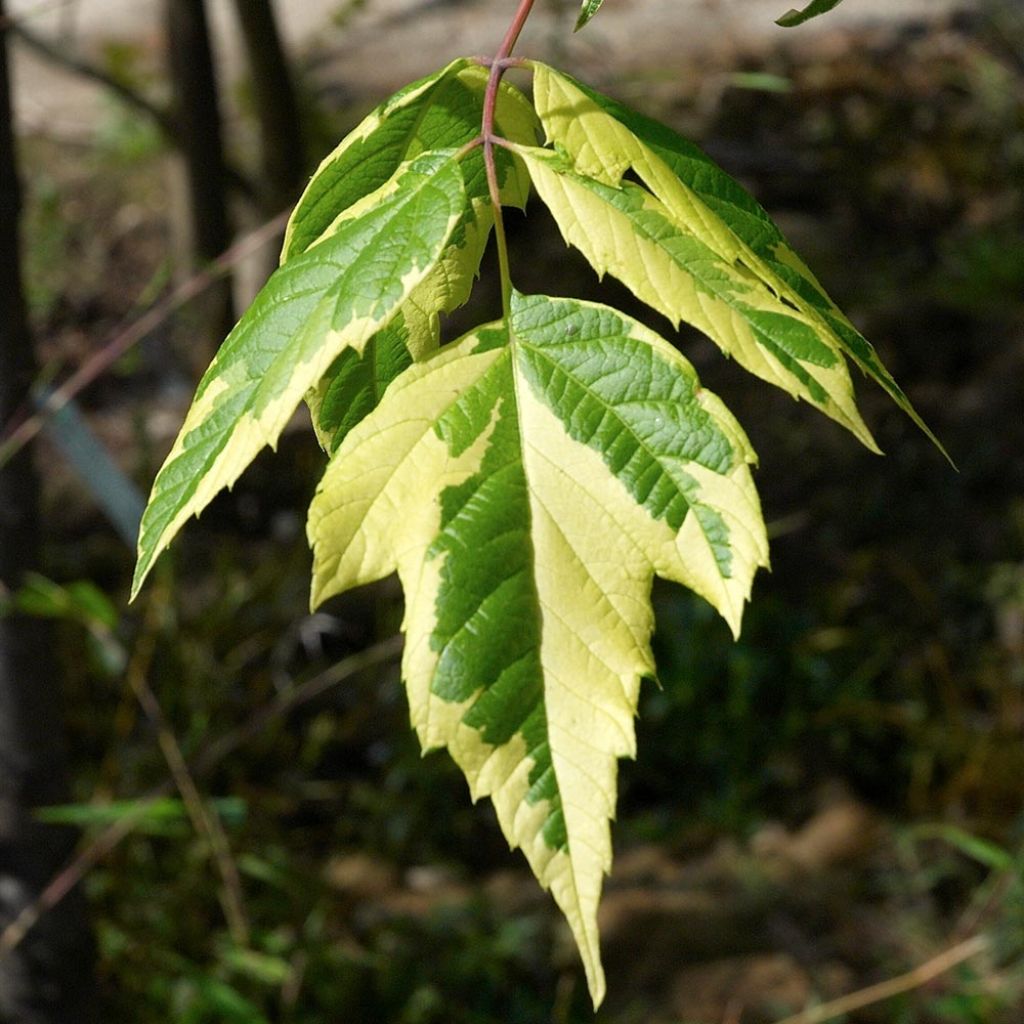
<point x="527" y="483"/>
<point x="442" y="111"/>
<point x="366" y="158"/>
<point x="605" y="140"/>
<point x="530" y="480"/>
<point x="449" y="115"/>
<point x="627" y="232"/>
<point x="336" y="296"/>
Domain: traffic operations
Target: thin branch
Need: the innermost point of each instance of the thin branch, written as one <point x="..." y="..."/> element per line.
<point x="91" y="854"/>
<point x="18" y="436"/>
<point x="499" y="228"/>
<point x="204" y="822"/>
<point x="66" y="880"/>
<point x="7" y="21"/>
<point x="295" y="697"/>
<point x="916" y="978"/>
<point x="498" y="65"/>
<point x="79" y="66"/>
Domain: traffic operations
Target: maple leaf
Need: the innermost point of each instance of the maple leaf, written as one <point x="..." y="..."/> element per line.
<point x="527" y="483"/>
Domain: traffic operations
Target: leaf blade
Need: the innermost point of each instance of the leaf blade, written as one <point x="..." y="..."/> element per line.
<point x="314" y="307"/>
<point x="628" y="233"/>
<point x="363" y="161"/>
<point x="605" y="139"/>
<point x="797" y="16"/>
<point x="587" y="10"/>
<point x="441" y="111"/>
<point x="355" y="382"/>
<point x="513" y="598"/>
<point x="748" y="219"/>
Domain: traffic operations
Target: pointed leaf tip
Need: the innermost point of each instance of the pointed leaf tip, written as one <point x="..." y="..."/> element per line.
<point x="588" y="9"/>
<point x="797" y="16"/>
<point x="335" y="296"/>
<point x="694" y="245"/>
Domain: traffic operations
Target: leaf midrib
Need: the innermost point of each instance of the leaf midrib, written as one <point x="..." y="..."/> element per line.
<point x="592" y="956"/>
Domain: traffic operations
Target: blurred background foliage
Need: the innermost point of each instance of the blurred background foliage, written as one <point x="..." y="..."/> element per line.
<point x="825" y="803"/>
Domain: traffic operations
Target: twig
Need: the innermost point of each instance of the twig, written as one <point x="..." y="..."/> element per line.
<point x="135" y="332"/>
<point x="43" y="7"/>
<point x="81" y="67"/>
<point x="77" y="65"/>
<point x="499" y="65"/>
<point x="919" y="976"/>
<point x="91" y="854"/>
<point x="66" y="880"/>
<point x="285" y="701"/>
<point x="205" y="823"/>
<point x="998" y="884"/>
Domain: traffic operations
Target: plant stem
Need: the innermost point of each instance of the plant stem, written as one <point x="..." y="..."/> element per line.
<point x="89" y="856"/>
<point x="205" y="821"/>
<point x="499" y="65"/>
<point x="499" y="231"/>
<point x="514" y="29"/>
<point x="14" y="436"/>
<point x="921" y="975"/>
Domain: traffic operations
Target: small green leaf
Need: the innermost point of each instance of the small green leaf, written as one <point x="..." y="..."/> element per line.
<point x="587" y="11"/>
<point x="151" y="816"/>
<point x="986" y="853"/>
<point x="214" y="996"/>
<point x="335" y="296"/>
<point x="261" y="967"/>
<point x="81" y="601"/>
<point x="527" y="483"/>
<point x="798" y="16"/>
<point x="760" y="81"/>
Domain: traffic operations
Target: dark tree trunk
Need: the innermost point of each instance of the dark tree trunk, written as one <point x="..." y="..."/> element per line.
<point x="282" y="154"/>
<point x="47" y="978"/>
<point x="197" y="115"/>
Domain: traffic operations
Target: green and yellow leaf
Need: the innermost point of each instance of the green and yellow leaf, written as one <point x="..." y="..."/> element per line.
<point x="605" y="140"/>
<point x="627" y="232"/>
<point x="336" y="296"/>
<point x="355" y="382"/>
<point x="366" y="158"/>
<point x="449" y="116"/>
<point x="527" y="483"/>
<point x="442" y="111"/>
